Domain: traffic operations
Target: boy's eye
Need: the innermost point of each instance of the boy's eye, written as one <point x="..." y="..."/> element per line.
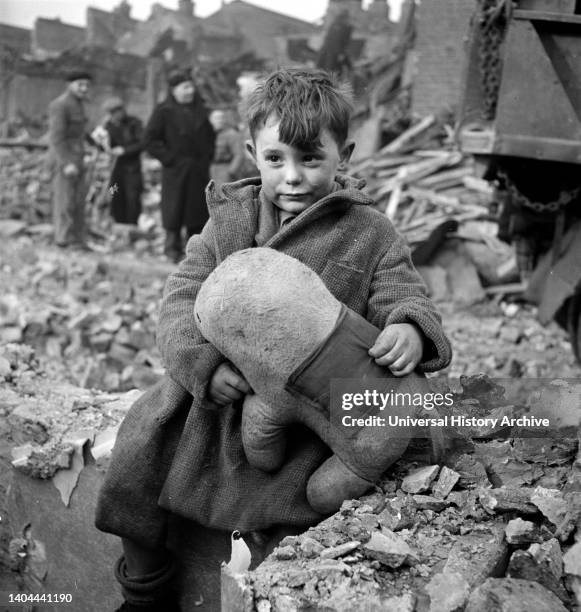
<point x="309" y="158"/>
<point x="273" y="158"/>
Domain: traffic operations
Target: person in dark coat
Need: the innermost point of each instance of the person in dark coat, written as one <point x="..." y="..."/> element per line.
<point x="181" y="137"/>
<point x="126" y="143"/>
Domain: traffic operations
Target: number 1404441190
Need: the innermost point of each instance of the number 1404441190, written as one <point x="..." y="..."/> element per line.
<point x="7" y="598"/>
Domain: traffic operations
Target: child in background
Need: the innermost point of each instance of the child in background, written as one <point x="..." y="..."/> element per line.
<point x="229" y="149"/>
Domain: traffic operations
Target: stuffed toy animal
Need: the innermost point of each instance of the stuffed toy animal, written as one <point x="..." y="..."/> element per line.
<point x="274" y="319"/>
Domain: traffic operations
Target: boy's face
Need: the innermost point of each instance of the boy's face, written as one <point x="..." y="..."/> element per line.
<point x="294" y="179"/>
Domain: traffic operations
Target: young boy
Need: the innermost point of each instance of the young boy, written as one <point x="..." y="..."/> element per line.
<point x="179" y="450"/>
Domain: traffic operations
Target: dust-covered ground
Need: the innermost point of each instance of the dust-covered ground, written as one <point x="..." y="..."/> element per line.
<point x="77" y="333"/>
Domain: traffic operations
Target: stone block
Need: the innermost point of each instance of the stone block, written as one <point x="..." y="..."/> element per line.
<point x="510" y="595"/>
<point x="389" y="549"/>
<point x="419" y="481"/>
<point x="446" y="482"/>
<point x="479" y="555"/>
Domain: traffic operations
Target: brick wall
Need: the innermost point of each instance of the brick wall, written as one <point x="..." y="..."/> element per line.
<point x="442" y="30"/>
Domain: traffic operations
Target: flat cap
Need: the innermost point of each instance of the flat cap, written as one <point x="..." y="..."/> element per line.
<point x="78" y="75"/>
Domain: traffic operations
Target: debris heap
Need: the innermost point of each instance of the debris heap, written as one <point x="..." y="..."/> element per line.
<point x="494" y="527"/>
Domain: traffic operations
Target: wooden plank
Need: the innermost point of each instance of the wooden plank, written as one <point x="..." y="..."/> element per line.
<point x="479" y="185"/>
<point x="394" y="201"/>
<point x="408" y="135"/>
<point x="432" y="196"/>
<point x="389" y="162"/>
<point x="27" y="144"/>
<point x="505" y="289"/>
<point x="546" y="16"/>
<point x="446" y="177"/>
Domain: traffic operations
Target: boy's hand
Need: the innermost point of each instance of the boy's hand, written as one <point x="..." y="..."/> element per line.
<point x="227" y="385"/>
<point x="399" y="347"/>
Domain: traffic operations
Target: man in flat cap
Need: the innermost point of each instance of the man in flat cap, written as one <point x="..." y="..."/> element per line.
<point x="67" y="134"/>
<point x="125" y="136"/>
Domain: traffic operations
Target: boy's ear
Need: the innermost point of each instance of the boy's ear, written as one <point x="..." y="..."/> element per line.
<point x="347" y="151"/>
<point x="251" y="149"/>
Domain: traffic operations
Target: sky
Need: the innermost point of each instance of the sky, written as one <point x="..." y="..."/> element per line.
<point x="23" y="12"/>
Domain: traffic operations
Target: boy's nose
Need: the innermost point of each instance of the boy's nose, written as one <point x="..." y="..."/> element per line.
<point x="292" y="174"/>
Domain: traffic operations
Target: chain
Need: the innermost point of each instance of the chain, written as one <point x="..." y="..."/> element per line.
<point x="519" y="199"/>
<point x="492" y="22"/>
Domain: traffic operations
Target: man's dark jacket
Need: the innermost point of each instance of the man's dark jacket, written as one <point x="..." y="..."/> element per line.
<point x="182" y="139"/>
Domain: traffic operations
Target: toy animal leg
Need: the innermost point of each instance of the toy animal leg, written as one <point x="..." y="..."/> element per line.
<point x="332" y="484"/>
<point x="263" y="439"/>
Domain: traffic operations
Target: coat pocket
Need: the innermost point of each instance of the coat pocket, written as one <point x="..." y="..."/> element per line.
<point x="342" y="280"/>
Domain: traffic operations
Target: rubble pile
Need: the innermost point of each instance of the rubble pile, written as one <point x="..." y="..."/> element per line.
<point x="510" y="342"/>
<point x="91" y="319"/>
<point x="54" y="437"/>
<point x="42" y="418"/>
<point x="26" y="185"/>
<point x="494" y="527"/>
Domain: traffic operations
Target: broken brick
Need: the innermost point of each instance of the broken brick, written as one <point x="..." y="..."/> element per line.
<point x="507" y="499"/>
<point x="521" y="532"/>
<point x="427" y="502"/>
<point x="478" y="555"/>
<point x="472" y="472"/>
<point x="542" y="563"/>
<point x="389" y="549"/>
<point x="340" y="550"/>
<point x="446" y="482"/>
<point x="419" y="480"/>
<point x="510" y="595"/>
<point x="448" y="592"/>
<point x="400" y="513"/>
<point x="551" y="503"/>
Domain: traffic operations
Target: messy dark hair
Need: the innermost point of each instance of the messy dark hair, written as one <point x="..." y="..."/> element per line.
<point x="305" y="102"/>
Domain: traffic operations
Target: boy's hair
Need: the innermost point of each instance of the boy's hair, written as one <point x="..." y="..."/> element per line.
<point x="305" y="101"/>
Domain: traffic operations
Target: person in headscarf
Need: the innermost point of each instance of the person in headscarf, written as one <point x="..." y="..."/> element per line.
<point x="181" y="137"/>
<point x="125" y="139"/>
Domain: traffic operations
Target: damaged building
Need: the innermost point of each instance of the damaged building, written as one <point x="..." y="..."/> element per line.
<point x="113" y="45"/>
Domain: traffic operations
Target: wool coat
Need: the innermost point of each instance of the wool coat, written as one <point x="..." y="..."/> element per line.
<point x="175" y="450"/>
<point x="182" y="139"/>
<point x="126" y="177"/>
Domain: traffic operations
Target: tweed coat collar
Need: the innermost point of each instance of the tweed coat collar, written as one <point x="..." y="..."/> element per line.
<point x="239" y="202"/>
